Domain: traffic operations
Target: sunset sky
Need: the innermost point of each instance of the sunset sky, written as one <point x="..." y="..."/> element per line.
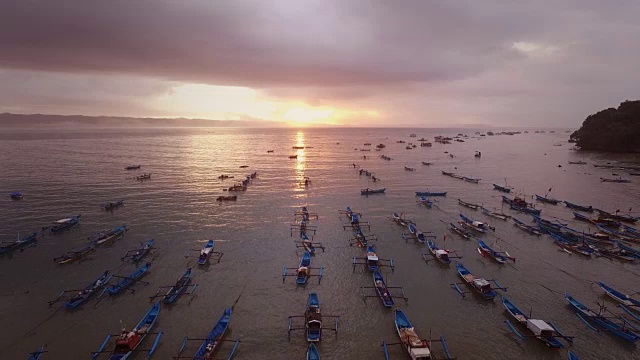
<point x="347" y="62"/>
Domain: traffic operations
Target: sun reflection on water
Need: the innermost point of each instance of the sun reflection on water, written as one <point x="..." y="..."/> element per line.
<point x="300" y="161"/>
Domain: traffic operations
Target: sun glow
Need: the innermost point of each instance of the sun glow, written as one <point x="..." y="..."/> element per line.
<point x="306" y="115"/>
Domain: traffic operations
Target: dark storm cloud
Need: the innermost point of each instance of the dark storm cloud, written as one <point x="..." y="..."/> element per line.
<point x="489" y="61"/>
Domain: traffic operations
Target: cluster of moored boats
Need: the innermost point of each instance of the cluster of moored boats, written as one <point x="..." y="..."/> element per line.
<point x="241" y="186"/>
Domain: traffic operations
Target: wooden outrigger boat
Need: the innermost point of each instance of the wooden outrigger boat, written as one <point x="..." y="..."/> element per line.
<point x="84" y="294"/>
<point x="110" y="235"/>
<point x="623" y="299"/>
<point x="305" y="215"/>
<point x="37" y="355"/>
<point x="308" y="244"/>
<point x="596" y="221"/>
<point x="112" y="205"/>
<point x="541" y="330"/>
<point x="71" y="256"/>
<point x="413" y="346"/>
<point x="227" y="198"/>
<point x="360" y="239"/>
<point x="416" y="234"/>
<point x="495" y="214"/>
<point x="624" y="330"/>
<point x="64" y="224"/>
<point x="503" y="189"/>
<point x="429" y="193"/>
<point x="499" y="256"/>
<point x="471" y="180"/>
<point x="406" y="168"/>
<point x="127" y="342"/>
<point x="144" y="177"/>
<point x="138" y="254"/>
<point x="182" y="284"/>
<point x="21" y="243"/>
<point x="475" y="225"/>
<point x="313" y="320"/>
<point x="400" y="220"/>
<point x="459" y="231"/>
<point x="547" y="200"/>
<point x="469" y="205"/>
<point x="204" y="257"/>
<point x="383" y="291"/>
<point x="368" y="191"/>
<point x="588" y="209"/>
<point x="372" y="261"/>
<point x="479" y="285"/>
<point x="616" y="216"/>
<point x="213" y="341"/>
<point x="442" y="255"/>
<point x="303" y="271"/>
<point x="133" y="167"/>
<point x="528" y="228"/>
<point x="519" y="204"/>
<point x="450" y="174"/>
<point x="303" y="227"/>
<point x="628" y="249"/>
<point x="424" y="201"/>
<point x="427" y="163"/>
<point x="624" y="234"/>
<point x="312" y="352"/>
<point x="571" y="247"/>
<point x="619" y="180"/>
<point x="129" y="280"/>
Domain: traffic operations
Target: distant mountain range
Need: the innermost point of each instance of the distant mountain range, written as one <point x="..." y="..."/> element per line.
<point x="42" y="120"/>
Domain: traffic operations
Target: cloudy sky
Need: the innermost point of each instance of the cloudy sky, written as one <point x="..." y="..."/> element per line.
<point x="351" y="62"/>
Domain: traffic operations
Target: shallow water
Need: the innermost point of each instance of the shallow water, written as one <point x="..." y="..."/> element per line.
<point x="65" y="173"/>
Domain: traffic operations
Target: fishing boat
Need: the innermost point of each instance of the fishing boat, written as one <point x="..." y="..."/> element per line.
<point x="368" y="191"/>
<point x="541" y="330"/>
<point x="37" y="355"/>
<point x="313" y="318"/>
<point x="105" y="236"/>
<point x="143" y="177"/>
<point x="621" y="234"/>
<point x="205" y="253"/>
<point x="479" y="285"/>
<point x="128" y="341"/>
<point x="71" y="256"/>
<point x="572" y="356"/>
<point x="630" y="250"/>
<point x="406" y="168"/>
<point x="88" y="291"/>
<point x="622" y="330"/>
<point x="620" y="180"/>
<point x="498" y="256"/>
<point x="462" y="232"/>
<point x="312" y="352"/>
<point x="577" y="162"/>
<point x="237" y="187"/>
<point x="308" y="244"/>
<point x="133" y="167"/>
<point x="570" y="246"/>
<point x="382" y="290"/>
<point x="547" y="200"/>
<point x="442" y="255"/>
<point x="469" y="205"/>
<point x="416" y="234"/>
<point x="503" y="189"/>
<point x="520" y="205"/>
<point x="180" y="286"/>
<point x="16" y="195"/>
<point x="528" y="228"/>
<point x="293" y="157"/>
<point x="213" y="341"/>
<point x="619" y="297"/>
<point x="588" y="209"/>
<point x="64" y="224"/>
<point x="227" y="198"/>
<point x="413" y="346"/>
<point x="372" y="258"/>
<point x="400" y="220"/>
<point x="425" y="201"/>
<point x="527" y="210"/>
<point x="143" y="251"/>
<point x="475" y="225"/>
<point x="429" y="193"/>
<point x="471" y="180"/>
<point x="22" y="242"/>
<point x="427" y="163"/>
<point x="618" y="217"/>
<point x="112" y="205"/>
<point x="495" y="214"/>
<point x="125" y="282"/>
<point x="453" y="175"/>
<point x="303" y="269"/>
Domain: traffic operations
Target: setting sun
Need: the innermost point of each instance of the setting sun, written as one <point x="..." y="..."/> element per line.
<point x="301" y="115"/>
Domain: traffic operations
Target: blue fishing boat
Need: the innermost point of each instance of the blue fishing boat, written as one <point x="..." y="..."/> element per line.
<point x="543" y="331"/>
<point x="214" y="339"/>
<point x="143" y="251"/>
<point x="479" y="285"/>
<point x="71" y="256"/>
<point x="499" y="256"/>
<point x="528" y="228"/>
<point x="588" y="209"/>
<point x="176" y="290"/>
<point x="64" y="224"/>
<point x="618" y="217"/>
<point x="382" y="290"/>
<point x="372" y="258"/>
<point x="88" y="291"/>
<point x="303" y="269"/>
<point x="628" y="249"/>
<point x="619" y="297"/>
<point x="475" y="225"/>
<point x="368" y="191"/>
<point x="22" y="242"/>
<point x="37" y="355"/>
<point x="110" y="235"/>
<point x="112" y="205"/>
<point x="503" y="189"/>
<point x="313" y="318"/>
<point x="584" y="313"/>
<point x="312" y="352"/>
<point x="16" y="195"/>
<point x="572" y="356"/>
<point x="125" y="282"/>
<point x="413" y="345"/>
<point x="429" y="193"/>
<point x="462" y="232"/>
<point x="623" y="233"/>
<point x="425" y="201"/>
<point x="547" y="200"/>
<point x="133" y="167"/>
<point x="205" y="253"/>
<point x="441" y="255"/>
<point x="416" y="234"/>
<point x="527" y="210"/>
<point x="128" y="341"/>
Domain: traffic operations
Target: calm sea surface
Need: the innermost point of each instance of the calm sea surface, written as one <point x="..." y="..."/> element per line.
<point x="64" y="173"/>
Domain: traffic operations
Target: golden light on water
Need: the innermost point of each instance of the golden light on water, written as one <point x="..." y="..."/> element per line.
<point x="301" y="160"/>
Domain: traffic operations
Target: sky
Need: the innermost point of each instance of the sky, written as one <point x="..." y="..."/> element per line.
<point x="352" y="63"/>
